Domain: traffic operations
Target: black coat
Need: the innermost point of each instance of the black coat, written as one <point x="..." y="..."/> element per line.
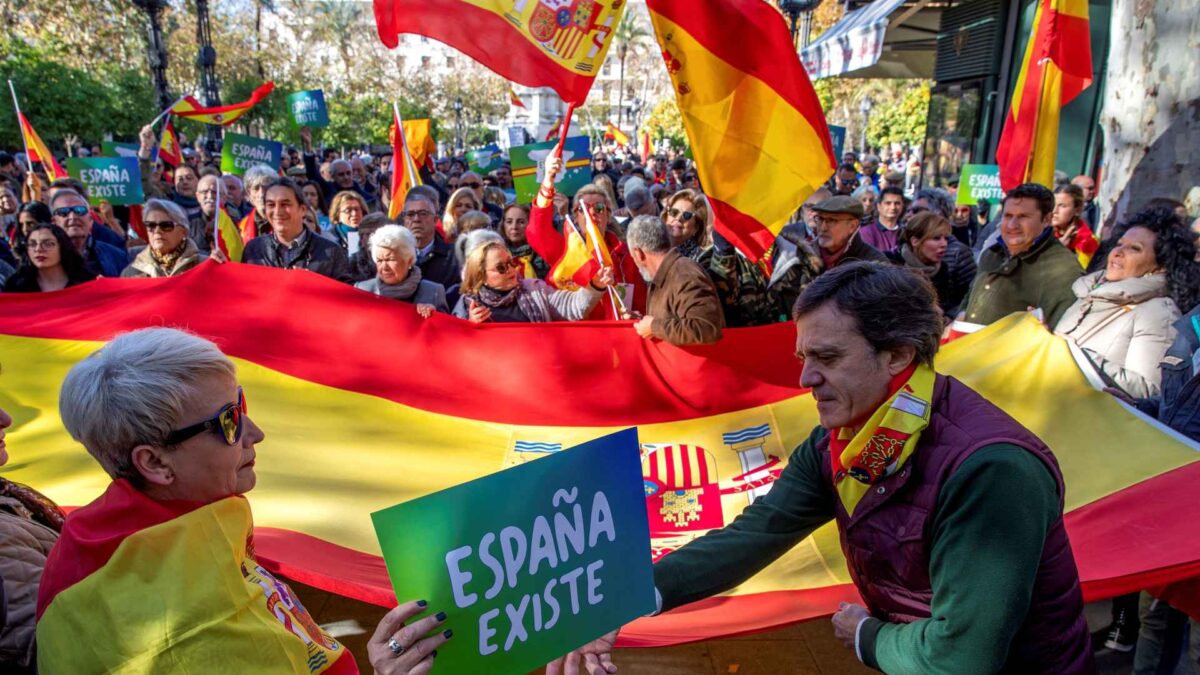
<point x="318" y="255"/>
<point x="441" y="266"/>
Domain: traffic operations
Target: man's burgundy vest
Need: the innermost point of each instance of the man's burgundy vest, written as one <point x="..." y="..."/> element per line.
<point x="887" y="540"/>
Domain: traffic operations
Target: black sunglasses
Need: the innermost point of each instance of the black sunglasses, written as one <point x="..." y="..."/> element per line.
<point x="227" y="424"/>
<point x="683" y="216"/>
<point x="64" y="211"/>
<point x="472" y="185"/>
<point x="163" y="225"/>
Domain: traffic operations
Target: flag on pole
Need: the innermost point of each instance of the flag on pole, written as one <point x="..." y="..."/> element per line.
<point x="647" y="148"/>
<point x="1056" y="68"/>
<point x="248" y="227"/>
<point x="188" y="107"/>
<point x="226" y="236"/>
<point x="418" y="134"/>
<point x="611" y="132"/>
<point x="755" y="126"/>
<point x="513" y="98"/>
<point x="168" y="145"/>
<point x="37" y="151"/>
<point x="584" y="254"/>
<point x="404" y="170"/>
<point x="560" y="46"/>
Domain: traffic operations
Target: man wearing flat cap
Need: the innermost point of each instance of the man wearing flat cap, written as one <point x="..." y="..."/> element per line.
<point x="835" y="226"/>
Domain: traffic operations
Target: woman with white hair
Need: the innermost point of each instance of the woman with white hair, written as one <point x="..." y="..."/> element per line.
<point x="166" y="554"/>
<point x="255" y="181"/>
<point x="394" y="250"/>
<point x="169" y="252"/>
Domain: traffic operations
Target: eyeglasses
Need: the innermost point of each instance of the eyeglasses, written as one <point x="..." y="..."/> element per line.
<point x="64" y="211"/>
<point x="504" y="267"/>
<point x="43" y="245"/>
<point x="163" y="225"/>
<point x="683" y="216"/>
<point x="420" y="214"/>
<point x="227" y="424"/>
<point x="473" y="185"/>
<point x="598" y="207"/>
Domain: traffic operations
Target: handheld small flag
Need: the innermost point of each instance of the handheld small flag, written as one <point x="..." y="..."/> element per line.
<point x="514" y="99"/>
<point x="168" y="145"/>
<point x="404" y="170"/>
<point x="226" y="237"/>
<point x="188" y="107"/>
<point x="611" y="132"/>
<point x="35" y="148"/>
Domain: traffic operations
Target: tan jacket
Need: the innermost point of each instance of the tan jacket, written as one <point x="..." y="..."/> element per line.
<point x="24" y="545"/>
<point x="684" y="303"/>
<point x="1125" y="327"/>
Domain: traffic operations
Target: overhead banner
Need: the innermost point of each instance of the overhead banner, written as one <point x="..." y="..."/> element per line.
<point x="239" y="153"/>
<point x="528" y="165"/>
<point x="308" y="108"/>
<point x="524" y="581"/>
<point x="116" y="180"/>
<point x="853" y="43"/>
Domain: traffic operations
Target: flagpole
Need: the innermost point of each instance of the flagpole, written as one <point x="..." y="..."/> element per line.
<point x="17" y="106"/>
<point x="566" y="127"/>
<point x="164" y="113"/>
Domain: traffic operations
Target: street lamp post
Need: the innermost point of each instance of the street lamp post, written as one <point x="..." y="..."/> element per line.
<point x="156" y="50"/>
<point x="458" y="137"/>
<point x="865" y="108"/>
<point x="799" y="14"/>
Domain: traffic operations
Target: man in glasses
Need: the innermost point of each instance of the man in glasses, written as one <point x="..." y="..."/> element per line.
<point x="71" y="212"/>
<point x="836" y="230"/>
<point x="845" y="181"/>
<point x="601" y="165"/>
<point x="434" y="256"/>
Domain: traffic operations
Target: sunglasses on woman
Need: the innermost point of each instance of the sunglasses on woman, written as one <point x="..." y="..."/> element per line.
<point x="64" y="211"/>
<point x="227" y="424"/>
<point x="683" y="216"/>
<point x="504" y="267"/>
<point x="163" y="225"/>
<point x="598" y="207"/>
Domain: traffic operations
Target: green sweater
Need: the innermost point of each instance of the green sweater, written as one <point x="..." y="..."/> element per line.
<point x="1038" y="277"/>
<point x="988" y="531"/>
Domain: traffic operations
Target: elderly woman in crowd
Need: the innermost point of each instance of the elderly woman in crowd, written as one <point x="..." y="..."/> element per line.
<point x="741" y="285"/>
<point x="512" y="227"/>
<point x="461" y="202"/>
<point x="29" y="526"/>
<point x="394" y="250"/>
<point x="255" y="180"/>
<point x="345" y="213"/>
<point x="49" y="262"/>
<point x="166" y="554"/>
<point x="867" y="196"/>
<point x="925" y="239"/>
<point x="169" y="252"/>
<point x="469" y="222"/>
<point x="1124" y="314"/>
<point x="493" y="290"/>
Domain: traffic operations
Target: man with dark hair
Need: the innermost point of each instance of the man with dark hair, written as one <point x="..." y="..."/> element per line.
<point x="289" y="244"/>
<point x="1028" y="267"/>
<point x="845" y="180"/>
<point x="1091" y="211"/>
<point x="434" y="256"/>
<point x="950" y="513"/>
<point x="882" y="232"/>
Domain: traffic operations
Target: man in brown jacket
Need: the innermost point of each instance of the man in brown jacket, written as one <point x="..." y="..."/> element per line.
<point x="682" y="306"/>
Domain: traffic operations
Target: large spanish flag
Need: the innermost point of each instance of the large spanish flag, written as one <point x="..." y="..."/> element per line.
<point x="538" y="43"/>
<point x="349" y="432"/>
<point x="224" y="115"/>
<point x="37" y="150"/>
<point x="756" y="128"/>
<point x="1056" y="68"/>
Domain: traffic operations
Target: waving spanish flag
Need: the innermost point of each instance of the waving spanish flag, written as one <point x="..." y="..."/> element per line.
<point x="716" y="423"/>
<point x="404" y="170"/>
<point x="756" y="128"/>
<point x="37" y="150"/>
<point x="614" y="133"/>
<point x="514" y="99"/>
<point x="168" y="145"/>
<point x="189" y="108"/>
<point x="536" y="43"/>
<point x="1056" y="68"/>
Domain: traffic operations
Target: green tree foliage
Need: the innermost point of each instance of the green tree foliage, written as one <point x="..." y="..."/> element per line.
<point x="665" y="121"/>
<point x="900" y="120"/>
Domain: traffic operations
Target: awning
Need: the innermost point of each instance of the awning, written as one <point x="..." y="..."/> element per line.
<point x="869" y="42"/>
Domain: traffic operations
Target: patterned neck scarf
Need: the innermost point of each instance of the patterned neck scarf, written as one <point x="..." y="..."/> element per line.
<point x="531" y="303"/>
<point x="886" y="441"/>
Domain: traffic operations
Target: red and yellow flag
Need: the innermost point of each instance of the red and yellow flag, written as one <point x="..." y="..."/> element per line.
<point x="168" y="145"/>
<point x="612" y="132"/>
<point x="37" y="150"/>
<point x="584" y="254"/>
<point x="188" y="107"/>
<point x="647" y="148"/>
<point x="248" y="227"/>
<point x="560" y="45"/>
<point x="1056" y="68"/>
<point x="418" y="134"/>
<point x="227" y="237"/>
<point x="404" y="170"/>
<point x="716" y="423"/>
<point x="514" y="99"/>
<point x="756" y="128"/>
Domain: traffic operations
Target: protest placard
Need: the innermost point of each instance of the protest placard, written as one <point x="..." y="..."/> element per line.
<point x="837" y="137"/>
<point x="528" y="162"/>
<point x="308" y="108"/>
<point x="531" y="562"/>
<point x="485" y="159"/>
<point x="239" y="153"/>
<point x="979" y="181"/>
<point x="115" y="149"/>
<point x="116" y="180"/>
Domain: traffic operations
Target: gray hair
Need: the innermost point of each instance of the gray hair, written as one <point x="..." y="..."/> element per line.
<point x="891" y="306"/>
<point x="869" y="158"/>
<point x="395" y="238"/>
<point x="174" y="211"/>
<point x="235" y="178"/>
<point x="476" y="238"/>
<point x="939" y="201"/>
<point x="864" y="189"/>
<point x="258" y="175"/>
<point x="648" y="233"/>
<point x="59" y="193"/>
<point x="136" y="390"/>
<point x="335" y="163"/>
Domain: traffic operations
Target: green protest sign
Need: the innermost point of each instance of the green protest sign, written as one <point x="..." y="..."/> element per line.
<point x="116" y="180"/>
<point x="979" y="181"/>
<point x="485" y="159"/>
<point x="239" y="153"/>
<point x="527" y="162"/>
<point x="531" y="562"/>
<point x="308" y="108"/>
<point x="114" y="149"/>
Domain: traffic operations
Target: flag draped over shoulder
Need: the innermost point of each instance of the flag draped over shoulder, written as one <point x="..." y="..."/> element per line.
<point x="537" y="43"/>
<point x="404" y="169"/>
<point x="137" y="585"/>
<point x="224" y="115"/>
<point x="756" y="129"/>
<point x="347" y="434"/>
<point x="1056" y="68"/>
<point x="37" y="150"/>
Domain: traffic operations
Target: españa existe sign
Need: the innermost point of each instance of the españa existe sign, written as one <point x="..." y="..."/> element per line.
<point x="116" y="180"/>
<point x="239" y="153"/>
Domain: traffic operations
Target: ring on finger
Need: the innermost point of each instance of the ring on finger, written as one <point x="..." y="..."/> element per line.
<point x="395" y="646"/>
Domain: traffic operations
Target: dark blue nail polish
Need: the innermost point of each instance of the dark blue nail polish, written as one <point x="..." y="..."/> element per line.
<point x="441" y="616"/>
<point x="433" y="654"/>
<point x="448" y="633"/>
<point x="421" y="603"/>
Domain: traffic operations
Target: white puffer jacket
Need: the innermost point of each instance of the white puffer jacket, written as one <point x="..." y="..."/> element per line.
<point x="1125" y="327"/>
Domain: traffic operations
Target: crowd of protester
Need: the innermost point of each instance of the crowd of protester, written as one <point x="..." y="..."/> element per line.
<point x="1125" y="294"/>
